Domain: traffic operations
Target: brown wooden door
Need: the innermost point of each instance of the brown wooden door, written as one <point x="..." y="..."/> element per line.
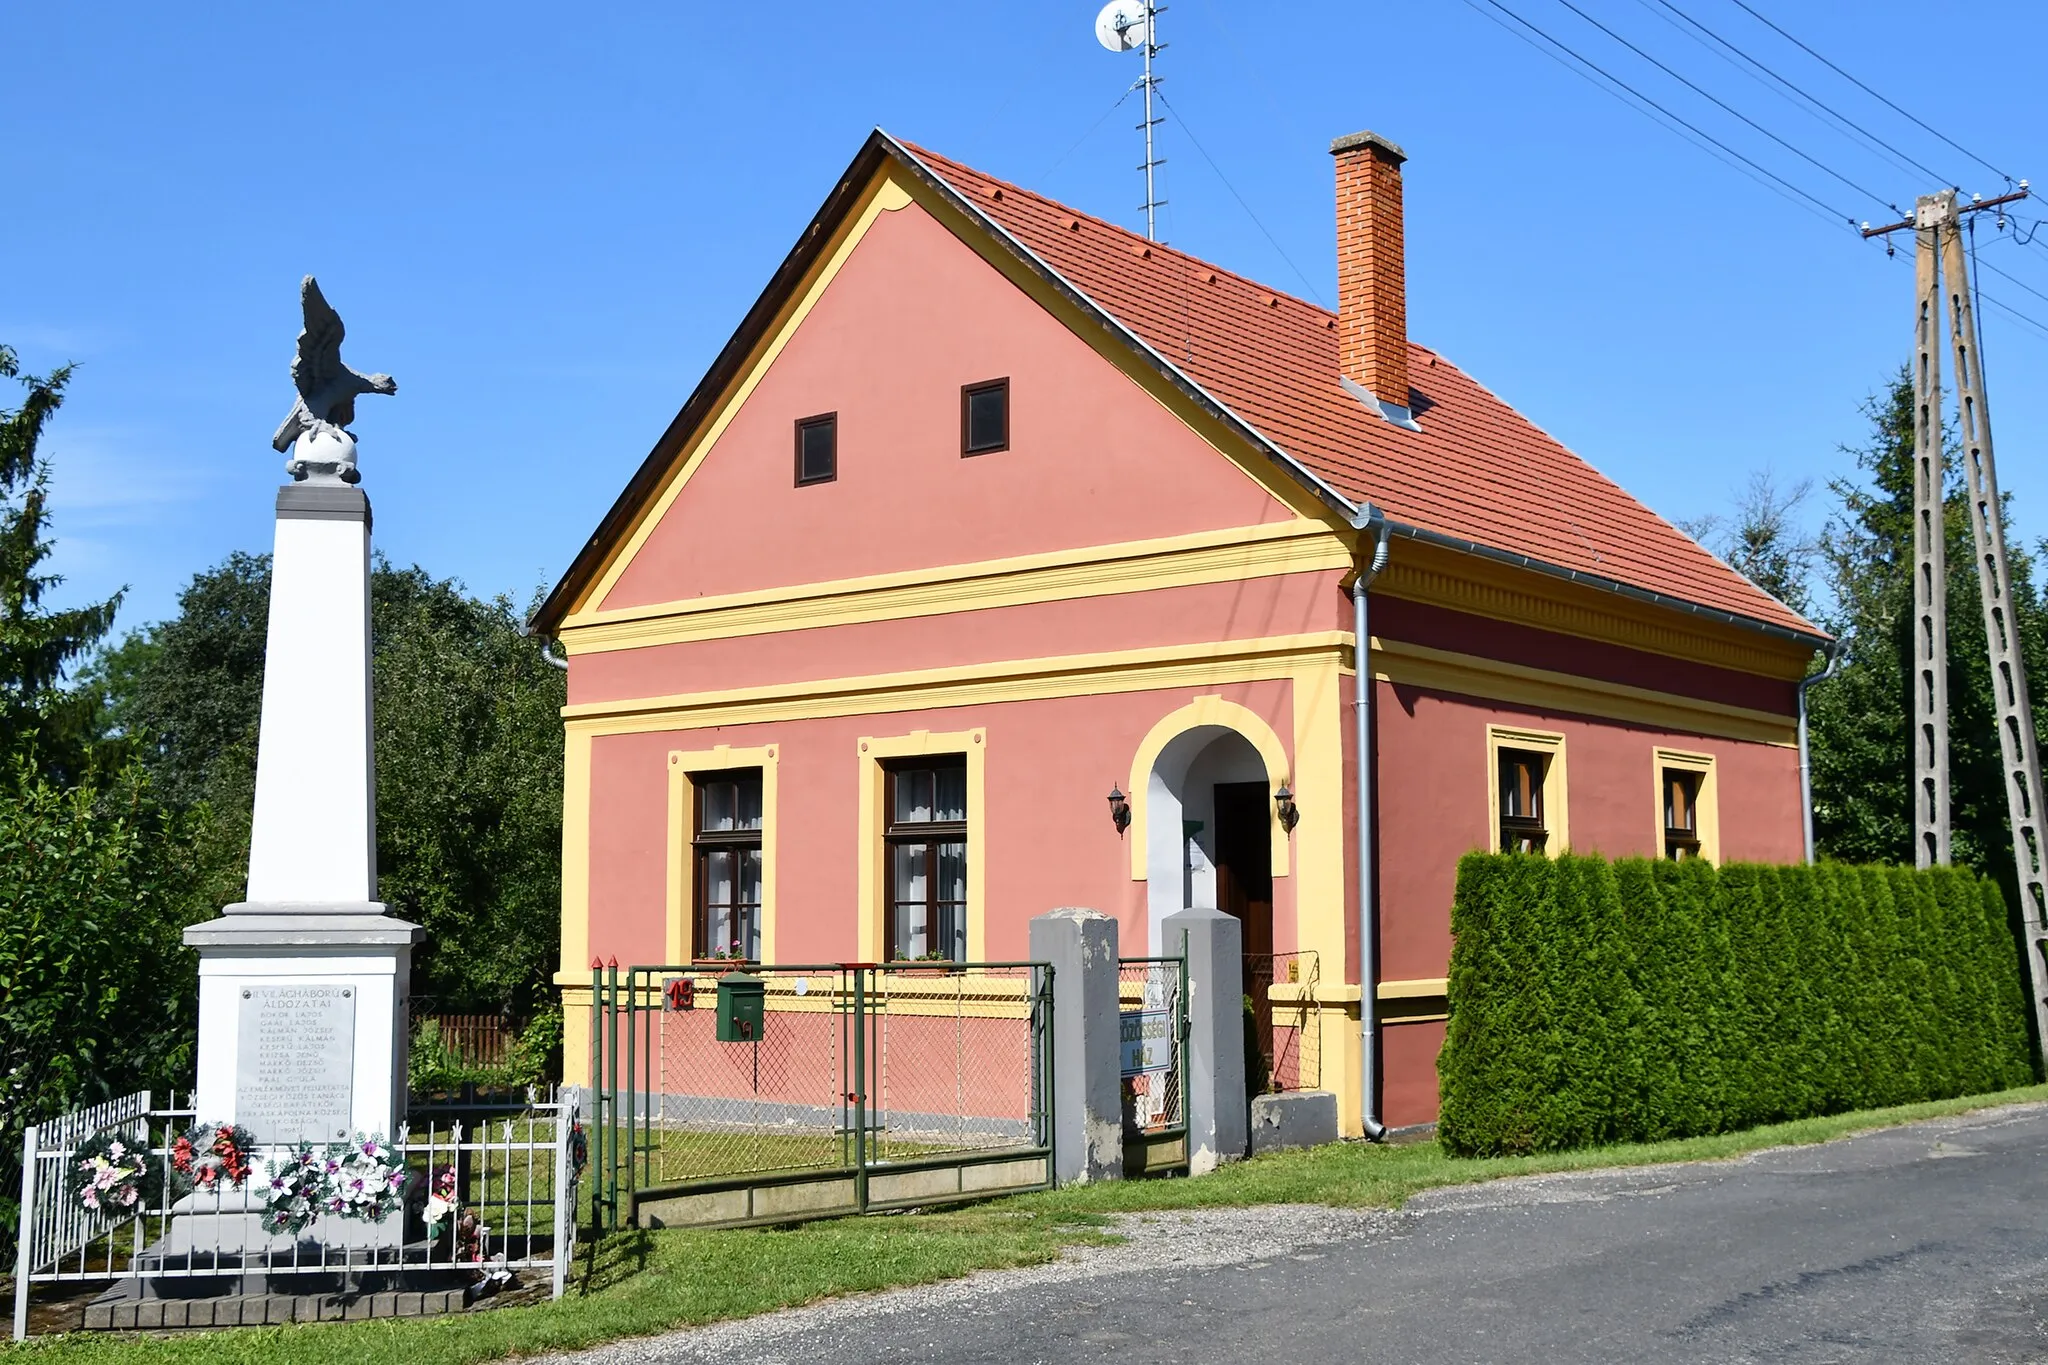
<point x="1244" y="861"/>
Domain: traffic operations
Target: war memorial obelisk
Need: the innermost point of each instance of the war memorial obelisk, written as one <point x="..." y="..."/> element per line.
<point x="302" y="987"/>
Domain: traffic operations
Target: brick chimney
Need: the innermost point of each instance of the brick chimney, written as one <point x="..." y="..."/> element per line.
<point x="1372" y="276"/>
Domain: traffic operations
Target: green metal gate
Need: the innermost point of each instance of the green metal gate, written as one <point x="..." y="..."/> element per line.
<point x="726" y="1094"/>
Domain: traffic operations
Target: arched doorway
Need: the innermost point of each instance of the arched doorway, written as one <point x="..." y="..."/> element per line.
<point x="1208" y="832"/>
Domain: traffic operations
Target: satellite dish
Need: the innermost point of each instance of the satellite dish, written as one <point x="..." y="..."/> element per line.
<point x="1121" y="25"/>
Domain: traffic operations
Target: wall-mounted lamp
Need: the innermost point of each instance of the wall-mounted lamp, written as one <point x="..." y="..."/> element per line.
<point x="1119" y="809"/>
<point x="1283" y="802"/>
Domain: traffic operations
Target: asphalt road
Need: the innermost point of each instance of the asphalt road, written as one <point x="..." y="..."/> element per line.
<point x="1925" y="1243"/>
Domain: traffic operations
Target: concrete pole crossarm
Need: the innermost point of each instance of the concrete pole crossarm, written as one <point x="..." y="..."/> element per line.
<point x="2018" y="744"/>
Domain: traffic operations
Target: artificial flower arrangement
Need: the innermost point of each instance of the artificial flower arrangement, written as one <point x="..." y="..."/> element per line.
<point x="444" y="1206"/>
<point x="214" y="1155"/>
<point x="111" y="1174"/>
<point x="443" y="1201"/>
<point x="292" y="1198"/>
<point x="365" y="1179"/>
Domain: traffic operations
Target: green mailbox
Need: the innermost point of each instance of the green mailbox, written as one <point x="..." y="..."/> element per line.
<point x="740" y="1002"/>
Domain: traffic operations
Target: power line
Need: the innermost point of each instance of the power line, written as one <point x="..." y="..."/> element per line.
<point x="1725" y="106"/>
<point x="1831" y="214"/>
<point x="1899" y="158"/>
<point x="1872" y="93"/>
<point x="1648" y="113"/>
<point x="2034" y="324"/>
<point x="1185" y="127"/>
<point x="2004" y="274"/>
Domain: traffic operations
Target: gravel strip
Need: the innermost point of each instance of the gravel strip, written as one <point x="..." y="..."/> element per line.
<point x="1164" y="1241"/>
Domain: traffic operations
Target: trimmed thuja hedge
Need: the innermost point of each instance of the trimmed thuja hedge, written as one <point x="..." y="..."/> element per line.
<point x="1595" y="1002"/>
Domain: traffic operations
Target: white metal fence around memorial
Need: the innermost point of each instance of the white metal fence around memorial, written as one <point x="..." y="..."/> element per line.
<point x="504" y="1180"/>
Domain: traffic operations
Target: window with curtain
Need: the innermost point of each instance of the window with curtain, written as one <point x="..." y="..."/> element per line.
<point x="1681" y="814"/>
<point x="1521" y="801"/>
<point x="727" y="848"/>
<point x="926" y="855"/>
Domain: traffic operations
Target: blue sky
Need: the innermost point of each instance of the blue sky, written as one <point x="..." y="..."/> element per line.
<point x="545" y="221"/>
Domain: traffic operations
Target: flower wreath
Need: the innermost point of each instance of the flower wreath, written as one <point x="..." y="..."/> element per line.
<point x="112" y="1174"/>
<point x="213" y="1153"/>
<point x="291" y="1201"/>
<point x="364" y="1179"/>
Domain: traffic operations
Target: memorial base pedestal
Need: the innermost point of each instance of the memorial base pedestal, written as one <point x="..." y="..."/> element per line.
<point x="302" y="1019"/>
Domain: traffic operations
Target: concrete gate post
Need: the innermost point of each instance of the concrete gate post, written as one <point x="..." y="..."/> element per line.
<point x="1087" y="1107"/>
<point x="1212" y="1072"/>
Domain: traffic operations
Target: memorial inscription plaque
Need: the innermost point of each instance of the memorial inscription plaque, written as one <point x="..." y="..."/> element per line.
<point x="295" y="1064"/>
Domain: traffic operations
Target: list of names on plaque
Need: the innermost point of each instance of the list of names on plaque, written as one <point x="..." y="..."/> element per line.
<point x="295" y="1063"/>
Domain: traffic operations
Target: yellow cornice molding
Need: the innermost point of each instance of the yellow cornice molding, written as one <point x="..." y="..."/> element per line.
<point x="1442" y="577"/>
<point x="1227" y="555"/>
<point x="1134" y="670"/>
<point x="1441" y="670"/>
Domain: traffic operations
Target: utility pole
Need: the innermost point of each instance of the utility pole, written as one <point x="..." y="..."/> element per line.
<point x="1930" y="544"/>
<point x="1937" y="223"/>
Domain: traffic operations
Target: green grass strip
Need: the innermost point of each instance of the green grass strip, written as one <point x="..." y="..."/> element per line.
<point x="654" y="1282"/>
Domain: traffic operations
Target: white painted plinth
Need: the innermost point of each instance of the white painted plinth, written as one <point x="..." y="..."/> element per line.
<point x="377" y="972"/>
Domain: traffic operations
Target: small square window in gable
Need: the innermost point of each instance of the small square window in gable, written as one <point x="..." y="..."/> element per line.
<point x="985" y="417"/>
<point x="817" y="449"/>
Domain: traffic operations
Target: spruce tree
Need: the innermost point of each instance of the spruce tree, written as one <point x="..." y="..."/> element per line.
<point x="1861" y="719"/>
<point x="38" y="714"/>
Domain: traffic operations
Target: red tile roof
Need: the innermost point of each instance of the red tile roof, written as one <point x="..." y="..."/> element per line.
<point x="1477" y="470"/>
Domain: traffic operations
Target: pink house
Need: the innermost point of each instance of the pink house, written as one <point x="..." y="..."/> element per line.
<point x="992" y="511"/>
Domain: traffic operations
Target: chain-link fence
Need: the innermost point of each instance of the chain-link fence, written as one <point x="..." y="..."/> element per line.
<point x="1284" y="1021"/>
<point x="721" y="1078"/>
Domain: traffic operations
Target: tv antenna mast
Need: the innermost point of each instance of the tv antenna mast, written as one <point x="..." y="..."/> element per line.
<point x="1122" y="26"/>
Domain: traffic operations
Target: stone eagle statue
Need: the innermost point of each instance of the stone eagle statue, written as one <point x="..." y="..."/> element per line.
<point x="327" y="388"/>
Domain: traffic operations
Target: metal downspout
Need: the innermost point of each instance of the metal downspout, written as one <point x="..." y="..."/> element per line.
<point x="1368" y="943"/>
<point x="1834" y="651"/>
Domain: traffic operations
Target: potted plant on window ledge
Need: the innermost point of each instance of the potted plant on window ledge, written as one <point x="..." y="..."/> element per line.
<point x="723" y="960"/>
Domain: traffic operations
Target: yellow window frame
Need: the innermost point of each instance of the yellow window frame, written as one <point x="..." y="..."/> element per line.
<point x="1706" y="803"/>
<point x="1556" y="791"/>
<point x="872" y="751"/>
<point x="683" y="766"/>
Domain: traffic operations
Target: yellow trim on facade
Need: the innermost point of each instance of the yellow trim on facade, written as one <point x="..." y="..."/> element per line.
<point x="871" y="903"/>
<point x="1444" y="577"/>
<point x="884" y="195"/>
<point x="1420" y="987"/>
<point x="575" y="852"/>
<point x="1321" y="907"/>
<point x="1131" y="670"/>
<point x="1229" y="555"/>
<point x="1556" y="792"/>
<point x="682" y="890"/>
<point x="1442" y="670"/>
<point x="1706" y="806"/>
<point x="1197" y="713"/>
